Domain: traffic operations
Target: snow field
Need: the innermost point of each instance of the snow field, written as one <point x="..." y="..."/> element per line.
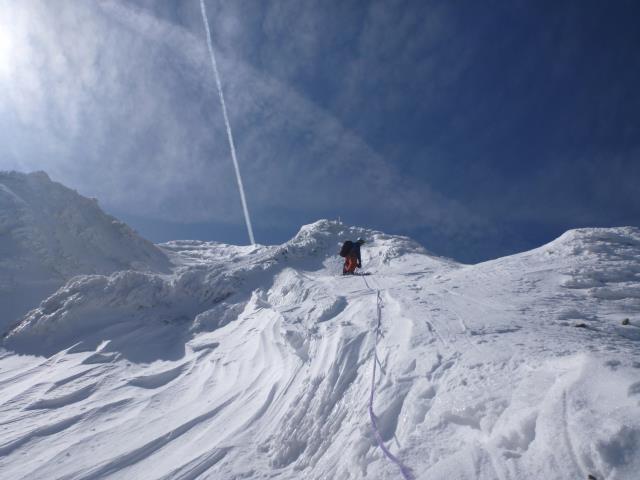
<point x="254" y="362"/>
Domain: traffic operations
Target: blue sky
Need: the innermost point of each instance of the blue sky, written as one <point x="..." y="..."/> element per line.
<point x="478" y="128"/>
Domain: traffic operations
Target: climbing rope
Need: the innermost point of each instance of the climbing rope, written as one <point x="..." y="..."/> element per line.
<point x="406" y="472"/>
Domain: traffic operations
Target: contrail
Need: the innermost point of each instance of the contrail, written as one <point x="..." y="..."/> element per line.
<point x="232" y="147"/>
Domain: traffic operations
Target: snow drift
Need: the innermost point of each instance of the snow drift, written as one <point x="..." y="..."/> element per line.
<point x="255" y="362"/>
<point x="48" y="234"/>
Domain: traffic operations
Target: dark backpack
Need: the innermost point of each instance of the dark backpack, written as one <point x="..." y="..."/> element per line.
<point x="346" y="248"/>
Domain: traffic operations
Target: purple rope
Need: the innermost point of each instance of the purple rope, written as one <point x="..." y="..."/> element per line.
<point x="406" y="472"/>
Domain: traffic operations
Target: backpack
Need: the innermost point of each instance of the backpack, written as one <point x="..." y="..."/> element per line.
<point x="346" y="248"/>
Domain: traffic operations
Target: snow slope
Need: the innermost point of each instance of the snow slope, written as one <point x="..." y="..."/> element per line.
<point x="49" y="233"/>
<point x="256" y="362"/>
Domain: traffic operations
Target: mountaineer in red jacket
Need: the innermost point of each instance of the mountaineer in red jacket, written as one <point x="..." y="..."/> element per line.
<point x="351" y="253"/>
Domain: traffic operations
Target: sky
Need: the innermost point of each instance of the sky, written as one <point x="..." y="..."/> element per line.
<point x="480" y="129"/>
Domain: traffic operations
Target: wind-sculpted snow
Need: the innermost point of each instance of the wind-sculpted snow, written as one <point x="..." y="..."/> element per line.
<point x="48" y="234"/>
<point x="93" y="308"/>
<point x="255" y="362"/>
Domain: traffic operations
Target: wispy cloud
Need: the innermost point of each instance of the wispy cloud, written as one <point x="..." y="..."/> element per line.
<point x="123" y="106"/>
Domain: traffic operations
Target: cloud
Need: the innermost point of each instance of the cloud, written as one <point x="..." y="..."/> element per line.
<point x="101" y="104"/>
<point x="121" y="105"/>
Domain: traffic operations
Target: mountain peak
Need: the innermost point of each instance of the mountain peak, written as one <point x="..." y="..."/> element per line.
<point x="49" y="233"/>
<point x="263" y="361"/>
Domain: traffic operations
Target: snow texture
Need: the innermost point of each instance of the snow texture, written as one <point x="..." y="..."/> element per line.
<point x="256" y="361"/>
<point x="49" y="234"/>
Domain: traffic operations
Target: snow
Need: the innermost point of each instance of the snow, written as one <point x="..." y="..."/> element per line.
<point x="256" y="362"/>
<point x="49" y="233"/>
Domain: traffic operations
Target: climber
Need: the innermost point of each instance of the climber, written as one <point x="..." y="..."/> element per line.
<point x="351" y="253"/>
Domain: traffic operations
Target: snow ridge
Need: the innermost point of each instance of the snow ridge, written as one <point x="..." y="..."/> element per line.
<point x="49" y="233"/>
<point x="255" y="361"/>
